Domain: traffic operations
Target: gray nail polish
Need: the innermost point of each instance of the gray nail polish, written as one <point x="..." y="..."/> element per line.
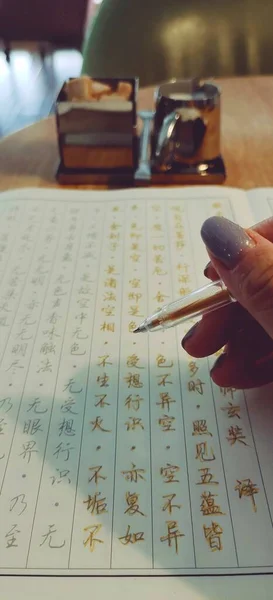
<point x="225" y="240"/>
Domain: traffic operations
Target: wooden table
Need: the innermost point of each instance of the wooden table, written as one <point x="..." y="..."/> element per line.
<point x="30" y="157"/>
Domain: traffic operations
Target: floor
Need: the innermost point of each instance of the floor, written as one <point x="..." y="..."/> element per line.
<point x="29" y="86"/>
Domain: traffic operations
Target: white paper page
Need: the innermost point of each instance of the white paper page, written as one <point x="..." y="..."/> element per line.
<point x="261" y="203"/>
<point x="117" y="453"/>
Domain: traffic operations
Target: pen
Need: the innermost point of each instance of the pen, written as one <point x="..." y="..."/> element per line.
<point x="200" y="302"/>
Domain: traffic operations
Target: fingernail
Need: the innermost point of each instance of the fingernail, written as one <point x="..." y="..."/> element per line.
<point x="189" y="334"/>
<point x="219" y="362"/>
<point x="226" y="240"/>
<point x="206" y="269"/>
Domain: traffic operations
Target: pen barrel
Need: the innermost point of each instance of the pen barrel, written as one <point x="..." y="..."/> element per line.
<point x="202" y="301"/>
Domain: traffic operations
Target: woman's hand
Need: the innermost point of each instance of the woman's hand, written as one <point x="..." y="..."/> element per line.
<point x="243" y="259"/>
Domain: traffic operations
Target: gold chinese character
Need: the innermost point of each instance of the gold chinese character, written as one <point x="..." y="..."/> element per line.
<point x="133" y="380"/>
<point x="165" y="422"/>
<point x="134" y="474"/>
<point x="135" y="257"/>
<point x="135" y="283"/>
<point x="180" y="244"/>
<point x="165" y="401"/>
<point x="133" y="402"/>
<point x="110" y="270"/>
<point x="206" y="477"/>
<point x="157" y="227"/>
<point x="134" y="311"/>
<point x="232" y="410"/>
<point x="158" y="271"/>
<point x="114" y="236"/>
<point x="193" y="368"/>
<point x="184" y="278"/>
<point x="95" y="504"/>
<point x="208" y="506"/>
<point x="91" y="541"/>
<point x="96" y="475"/>
<point x="132" y="325"/>
<point x="134" y="296"/>
<point x="160" y="297"/>
<point x="161" y="362"/>
<point x="133" y="423"/>
<point x="227" y="390"/>
<point x="102" y="402"/>
<point x="235" y="434"/>
<point x="135" y="246"/>
<point x="97" y="424"/>
<point x="200" y="428"/>
<point x="163" y="379"/>
<point x="132" y="361"/>
<point x="173" y="534"/>
<point x="196" y="386"/>
<point x="168" y="504"/>
<point x="168" y="473"/>
<point x="102" y="380"/>
<point x="114" y="226"/>
<point x="109" y="297"/>
<point x="213" y="536"/>
<point x="103" y="360"/>
<point x="109" y="311"/>
<point x="132" y="538"/>
<point x="132" y="503"/>
<point x="111" y="282"/>
<point x="182" y="267"/>
<point x="158" y="259"/>
<point x="107" y="327"/>
<point x="157" y="247"/>
<point x="202" y="452"/>
<point x="247" y="489"/>
<point x="184" y="291"/>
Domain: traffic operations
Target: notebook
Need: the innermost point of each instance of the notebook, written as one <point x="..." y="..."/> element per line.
<point x="118" y="454"/>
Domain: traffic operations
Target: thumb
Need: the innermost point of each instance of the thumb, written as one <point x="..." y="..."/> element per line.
<point x="244" y="261"/>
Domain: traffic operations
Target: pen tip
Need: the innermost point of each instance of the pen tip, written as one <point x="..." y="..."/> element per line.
<point x="137" y="330"/>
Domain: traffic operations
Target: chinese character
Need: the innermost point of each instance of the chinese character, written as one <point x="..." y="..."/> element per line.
<point x="66" y="407"/>
<point x="133" y="402"/>
<point x="109" y="297"/>
<point x="134" y="474"/>
<point x="173" y="534"/>
<point x="34" y="406"/>
<point x="63" y="449"/>
<point x="97" y="424"/>
<point x="111" y="282"/>
<point x="48" y="348"/>
<point x="11" y="537"/>
<point x="208" y="506"/>
<point x="78" y="331"/>
<point x="134" y="311"/>
<point x="132" y="503"/>
<point x="91" y="541"/>
<point x="96" y="475"/>
<point x="133" y="380"/>
<point x="193" y="368"/>
<point x="62" y="476"/>
<point x="213" y="536"/>
<point x="235" y="434"/>
<point x="196" y="386"/>
<point x="19" y="349"/>
<point x="32" y="426"/>
<point x="132" y="361"/>
<point x="69" y="386"/>
<point x="102" y="380"/>
<point x="14" y="367"/>
<point x="200" y="428"/>
<point x="74" y="350"/>
<point x="134" y="296"/>
<point x="22" y="504"/>
<point x="6" y="403"/>
<point x="107" y="327"/>
<point x="228" y="391"/>
<point x="168" y="504"/>
<point x="132" y="325"/>
<point x="161" y="362"/>
<point x="46" y="366"/>
<point x="108" y="310"/>
<point x="163" y="379"/>
<point x="232" y="410"/>
<point x="133" y="423"/>
<point x="247" y="489"/>
<point x="165" y="422"/>
<point x="28" y="450"/>
<point x="160" y="297"/>
<point x="168" y="473"/>
<point x="95" y="504"/>
<point x="132" y="538"/>
<point x="66" y="427"/>
<point x="135" y="283"/>
<point x="206" y="477"/>
<point x="165" y="401"/>
<point x="102" y="402"/>
<point x="202" y="452"/>
<point x="48" y="538"/>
